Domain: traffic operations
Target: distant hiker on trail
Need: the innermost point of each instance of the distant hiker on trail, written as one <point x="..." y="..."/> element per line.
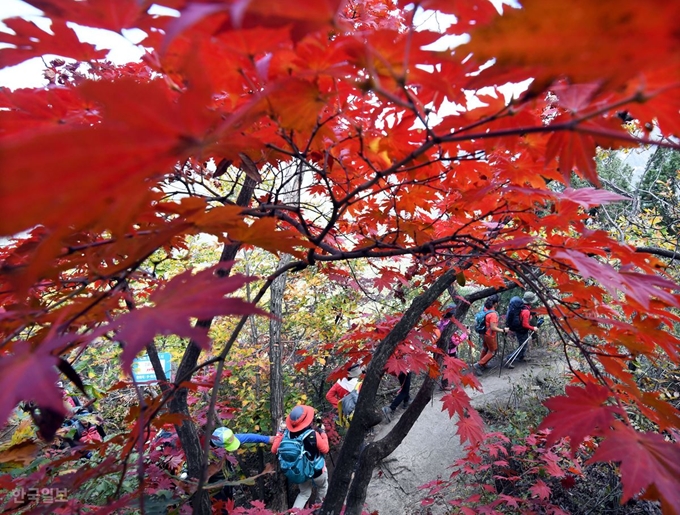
<point x="457" y="337"/>
<point x="487" y="326"/>
<point x="517" y="320"/>
<point x="403" y="396"/>
<point x="344" y="393"/>
<point x="301" y="451"/>
<point x="344" y="386"/>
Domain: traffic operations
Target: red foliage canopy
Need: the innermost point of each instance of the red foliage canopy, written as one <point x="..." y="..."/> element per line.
<point x="402" y="146"/>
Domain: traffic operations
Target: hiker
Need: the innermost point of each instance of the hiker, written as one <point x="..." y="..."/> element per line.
<point x="224" y="438"/>
<point x="301" y="449"/>
<point x="344" y="386"/>
<point x="403" y="396"/>
<point x="344" y="394"/>
<point x="456" y="338"/>
<point x="489" y="323"/>
<point x="517" y="320"/>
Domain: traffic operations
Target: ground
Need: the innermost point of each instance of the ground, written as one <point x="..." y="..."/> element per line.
<point x="432" y="445"/>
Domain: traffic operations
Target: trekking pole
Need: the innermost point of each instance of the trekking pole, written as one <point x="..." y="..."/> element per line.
<point x="500" y="365"/>
<point x="518" y="350"/>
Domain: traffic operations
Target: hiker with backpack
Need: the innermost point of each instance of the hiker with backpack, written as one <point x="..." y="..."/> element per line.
<point x="486" y="325"/>
<point x="457" y="337"/>
<point x="344" y="393"/>
<point x="518" y="321"/>
<point x="301" y="449"/>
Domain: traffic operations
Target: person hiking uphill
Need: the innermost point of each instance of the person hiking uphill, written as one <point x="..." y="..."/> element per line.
<point x="301" y="451"/>
<point x="344" y="386"/>
<point x="517" y="320"/>
<point x="457" y="337"/>
<point x="224" y="438"/>
<point x="403" y="396"/>
<point x="490" y="335"/>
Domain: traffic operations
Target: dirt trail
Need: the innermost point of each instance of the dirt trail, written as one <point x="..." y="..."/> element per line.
<point x="432" y="444"/>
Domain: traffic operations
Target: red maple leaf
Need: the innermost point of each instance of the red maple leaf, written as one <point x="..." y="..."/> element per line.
<point x="186" y="296"/>
<point x="30" y="41"/>
<point x="456" y="401"/>
<point x="29" y="375"/>
<point x="540" y="490"/>
<point x="579" y="413"/>
<point x="589" y="197"/>
<point x="647" y="460"/>
<point x="470" y="427"/>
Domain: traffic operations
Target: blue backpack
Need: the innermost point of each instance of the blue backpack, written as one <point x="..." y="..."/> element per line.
<point x="480" y="320"/>
<point x="295" y="462"/>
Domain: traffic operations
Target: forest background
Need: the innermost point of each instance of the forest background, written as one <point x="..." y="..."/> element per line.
<point x="334" y="173"/>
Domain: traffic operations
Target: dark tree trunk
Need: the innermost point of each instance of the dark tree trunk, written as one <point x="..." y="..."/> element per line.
<point x="187" y="432"/>
<point x="365" y="415"/>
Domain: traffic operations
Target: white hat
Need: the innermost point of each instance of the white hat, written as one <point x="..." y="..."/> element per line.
<point x="530" y="297"/>
<point x="354" y="371"/>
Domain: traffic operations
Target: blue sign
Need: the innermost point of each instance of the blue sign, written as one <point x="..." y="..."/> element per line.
<point x="142" y="369"/>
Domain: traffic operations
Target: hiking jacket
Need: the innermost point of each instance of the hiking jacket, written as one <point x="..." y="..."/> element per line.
<point x="340" y="389"/>
<point x="247" y="438"/>
<point x="524" y="316"/>
<point x="315" y="444"/>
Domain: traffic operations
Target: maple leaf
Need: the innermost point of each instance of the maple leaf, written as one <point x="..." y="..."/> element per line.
<point x="456" y="401"/>
<point x="113" y="15"/>
<point x="540" y="490"/>
<point x="262" y="233"/>
<point x="470" y="427"/>
<point x="590" y="197"/>
<point x="75" y="199"/>
<point x="184" y="297"/>
<point x="22" y="452"/>
<point x="554" y="39"/>
<point x="639" y="287"/>
<point x="647" y="461"/>
<point x="30" y="375"/>
<point x="30" y="41"/>
<point x="579" y="413"/>
<point x="573" y="149"/>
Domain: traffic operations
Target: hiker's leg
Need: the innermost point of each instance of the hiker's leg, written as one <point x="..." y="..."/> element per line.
<point x="484" y="353"/>
<point x="405" y="382"/>
<point x="304" y="495"/>
<point x="491" y="346"/>
<point x="321" y="483"/>
<point x="521" y="338"/>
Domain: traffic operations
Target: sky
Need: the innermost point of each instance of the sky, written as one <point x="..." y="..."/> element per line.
<point x="29" y="73"/>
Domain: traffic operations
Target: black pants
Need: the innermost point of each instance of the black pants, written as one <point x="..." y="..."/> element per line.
<point x="404" y="394"/>
<point x="522" y="337"/>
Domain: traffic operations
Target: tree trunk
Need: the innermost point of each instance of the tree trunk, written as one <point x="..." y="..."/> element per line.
<point x="377" y="451"/>
<point x="279" y="500"/>
<point x="365" y="415"/>
<point x="187" y="432"/>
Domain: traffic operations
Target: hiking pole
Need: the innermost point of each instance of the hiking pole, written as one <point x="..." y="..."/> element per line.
<point x="518" y="350"/>
<point x="500" y="365"/>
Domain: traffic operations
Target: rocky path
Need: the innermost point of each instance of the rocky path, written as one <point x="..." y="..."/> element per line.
<point x="432" y="445"/>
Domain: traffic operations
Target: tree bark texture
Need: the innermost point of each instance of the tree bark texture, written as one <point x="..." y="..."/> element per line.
<point x="279" y="501"/>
